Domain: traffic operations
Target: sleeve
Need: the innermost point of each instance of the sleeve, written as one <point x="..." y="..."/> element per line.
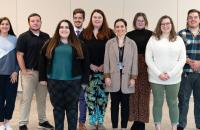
<point x="181" y="59"/>
<point x="107" y="61"/>
<point x="21" y="44"/>
<point x="149" y="58"/>
<point x="85" y="65"/>
<point x="134" y="69"/>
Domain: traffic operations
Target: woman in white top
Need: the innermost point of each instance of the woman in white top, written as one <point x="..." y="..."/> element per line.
<point x="165" y="57"/>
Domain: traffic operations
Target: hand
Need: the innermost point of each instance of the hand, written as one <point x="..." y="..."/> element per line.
<point x="13" y="77"/>
<point x="83" y="86"/>
<point x="164" y="76"/>
<point x="100" y="68"/>
<point x="44" y="83"/>
<point x="131" y="83"/>
<point x="195" y="65"/>
<point x="188" y="61"/>
<point x="108" y="82"/>
<point x="94" y="68"/>
<point x="26" y="72"/>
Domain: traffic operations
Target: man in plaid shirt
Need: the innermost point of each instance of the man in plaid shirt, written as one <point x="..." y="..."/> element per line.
<point x="191" y="73"/>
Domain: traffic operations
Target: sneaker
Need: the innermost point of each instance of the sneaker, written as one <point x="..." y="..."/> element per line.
<point x="23" y="127"/>
<point x="93" y="127"/>
<point x="180" y="128"/>
<point x="82" y="126"/>
<point x="46" y="126"/>
<point x="8" y="126"/>
<point x="2" y="127"/>
<point x="101" y="127"/>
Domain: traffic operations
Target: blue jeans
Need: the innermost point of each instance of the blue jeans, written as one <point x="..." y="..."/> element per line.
<point x="82" y="107"/>
<point x="8" y="92"/>
<point x="190" y="82"/>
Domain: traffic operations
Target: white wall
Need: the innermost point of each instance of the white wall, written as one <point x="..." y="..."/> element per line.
<point x="52" y="11"/>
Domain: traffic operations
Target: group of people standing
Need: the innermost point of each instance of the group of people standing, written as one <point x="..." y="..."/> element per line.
<point x="84" y="66"/>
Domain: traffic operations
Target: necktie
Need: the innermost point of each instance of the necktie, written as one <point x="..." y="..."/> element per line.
<point x="77" y="33"/>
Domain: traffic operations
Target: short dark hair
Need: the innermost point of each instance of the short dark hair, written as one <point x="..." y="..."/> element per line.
<point x="79" y="10"/>
<point x="32" y="15"/>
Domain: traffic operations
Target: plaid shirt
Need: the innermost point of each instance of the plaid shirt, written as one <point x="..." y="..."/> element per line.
<point x="192" y="44"/>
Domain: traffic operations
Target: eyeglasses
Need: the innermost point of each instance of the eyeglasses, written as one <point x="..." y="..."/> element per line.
<point x="140" y="21"/>
<point x="191" y="17"/>
<point x="165" y="24"/>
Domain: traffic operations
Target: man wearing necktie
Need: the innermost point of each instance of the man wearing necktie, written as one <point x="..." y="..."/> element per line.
<point x="78" y="19"/>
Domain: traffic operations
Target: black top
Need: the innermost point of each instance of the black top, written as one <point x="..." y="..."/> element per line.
<point x="96" y="49"/>
<point x="141" y="37"/>
<point x="31" y="44"/>
<point x="121" y="54"/>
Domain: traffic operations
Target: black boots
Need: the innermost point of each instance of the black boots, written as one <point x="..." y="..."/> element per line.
<point x="137" y="125"/>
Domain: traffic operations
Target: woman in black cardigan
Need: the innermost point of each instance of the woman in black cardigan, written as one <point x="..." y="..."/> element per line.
<point x="64" y="67"/>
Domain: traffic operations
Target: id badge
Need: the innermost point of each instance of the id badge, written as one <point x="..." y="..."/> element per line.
<point x="120" y="66"/>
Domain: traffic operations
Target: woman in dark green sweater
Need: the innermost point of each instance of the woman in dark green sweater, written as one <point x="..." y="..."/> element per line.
<point x="64" y="66"/>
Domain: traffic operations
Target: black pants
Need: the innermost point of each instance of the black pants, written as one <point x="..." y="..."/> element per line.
<point x="64" y="96"/>
<point x="8" y="92"/>
<point x="116" y="99"/>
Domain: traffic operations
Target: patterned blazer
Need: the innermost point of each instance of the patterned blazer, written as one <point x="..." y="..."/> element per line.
<point x="129" y="65"/>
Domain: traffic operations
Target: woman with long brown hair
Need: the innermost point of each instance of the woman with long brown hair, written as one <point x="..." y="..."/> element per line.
<point x="165" y="57"/>
<point x="8" y="73"/>
<point x="64" y="66"/>
<point x="95" y="36"/>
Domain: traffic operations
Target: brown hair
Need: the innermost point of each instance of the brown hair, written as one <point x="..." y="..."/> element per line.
<point x="11" y="32"/>
<point x="79" y="10"/>
<point x="104" y="31"/>
<point x="120" y="20"/>
<point x="158" y="32"/>
<point x="193" y="11"/>
<point x="136" y="17"/>
<point x="32" y="15"/>
<point x="55" y="40"/>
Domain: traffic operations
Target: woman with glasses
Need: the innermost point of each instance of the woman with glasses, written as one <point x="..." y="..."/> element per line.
<point x="139" y="101"/>
<point x="165" y="57"/>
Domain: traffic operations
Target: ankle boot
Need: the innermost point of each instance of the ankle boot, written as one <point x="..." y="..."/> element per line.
<point x="141" y="126"/>
<point x="135" y="125"/>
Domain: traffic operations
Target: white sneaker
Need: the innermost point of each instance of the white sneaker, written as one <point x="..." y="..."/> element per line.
<point x="8" y="126"/>
<point x="2" y="127"/>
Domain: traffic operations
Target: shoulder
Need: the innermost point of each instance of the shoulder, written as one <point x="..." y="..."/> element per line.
<point x="111" y="41"/>
<point x="12" y="37"/>
<point x="25" y="34"/>
<point x="182" y="32"/>
<point x="43" y="34"/>
<point x="180" y="40"/>
<point x="129" y="34"/>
